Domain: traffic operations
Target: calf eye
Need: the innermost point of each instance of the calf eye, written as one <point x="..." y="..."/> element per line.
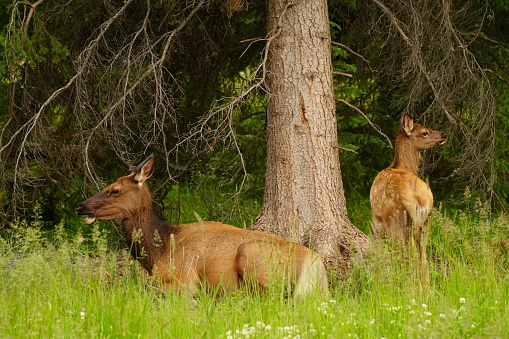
<point x="425" y="134"/>
<point x="114" y="192"/>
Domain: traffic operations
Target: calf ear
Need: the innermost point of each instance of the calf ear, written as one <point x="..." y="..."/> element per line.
<point x="144" y="170"/>
<point x="407" y="124"/>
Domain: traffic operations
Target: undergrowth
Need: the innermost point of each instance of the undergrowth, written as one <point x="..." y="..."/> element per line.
<point x="56" y="285"/>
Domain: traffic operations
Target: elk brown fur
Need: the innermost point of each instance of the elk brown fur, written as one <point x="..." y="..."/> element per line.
<point x="202" y="254"/>
<point x="401" y="202"/>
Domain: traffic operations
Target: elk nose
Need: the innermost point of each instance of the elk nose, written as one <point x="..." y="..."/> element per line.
<point x="80" y="209"/>
<point x="445" y="136"/>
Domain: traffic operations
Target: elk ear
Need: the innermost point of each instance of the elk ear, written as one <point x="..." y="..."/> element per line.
<point x="144" y="170"/>
<point x="407" y="124"/>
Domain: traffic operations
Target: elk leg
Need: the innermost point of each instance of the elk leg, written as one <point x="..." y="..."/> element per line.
<point x="250" y="265"/>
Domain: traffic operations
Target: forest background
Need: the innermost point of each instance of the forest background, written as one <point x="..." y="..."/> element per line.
<point x="59" y="143"/>
<point x="89" y="88"/>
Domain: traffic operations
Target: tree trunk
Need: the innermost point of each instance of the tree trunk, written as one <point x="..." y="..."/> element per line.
<point x="304" y="199"/>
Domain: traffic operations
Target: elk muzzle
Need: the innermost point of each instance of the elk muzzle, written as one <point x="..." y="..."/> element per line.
<point x="444" y="139"/>
<point x="82" y="209"/>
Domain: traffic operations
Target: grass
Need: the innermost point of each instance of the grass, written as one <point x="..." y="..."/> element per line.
<point x="60" y="286"/>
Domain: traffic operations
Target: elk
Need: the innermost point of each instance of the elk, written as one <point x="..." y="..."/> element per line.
<point x="208" y="255"/>
<point x="400" y="201"/>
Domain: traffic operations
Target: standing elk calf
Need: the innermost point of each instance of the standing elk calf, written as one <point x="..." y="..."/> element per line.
<point x="400" y="201"/>
<point x="204" y="254"/>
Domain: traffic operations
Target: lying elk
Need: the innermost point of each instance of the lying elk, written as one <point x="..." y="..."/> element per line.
<point x="400" y="201"/>
<point x="203" y="254"/>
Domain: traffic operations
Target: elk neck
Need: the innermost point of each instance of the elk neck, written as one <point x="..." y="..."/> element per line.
<point x="147" y="236"/>
<point x="406" y="156"/>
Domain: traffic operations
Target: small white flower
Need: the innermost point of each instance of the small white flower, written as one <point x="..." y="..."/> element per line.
<point x="428" y="314"/>
<point x="424" y="306"/>
<point x="442" y="315"/>
<point x="462" y="300"/>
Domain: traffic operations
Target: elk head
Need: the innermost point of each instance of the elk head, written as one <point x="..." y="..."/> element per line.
<point x="420" y="137"/>
<point x="120" y="199"/>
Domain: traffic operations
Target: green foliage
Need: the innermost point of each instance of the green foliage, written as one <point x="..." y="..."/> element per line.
<point x="208" y="62"/>
<point x="26" y="48"/>
<point x="74" y="288"/>
<point x="502" y="150"/>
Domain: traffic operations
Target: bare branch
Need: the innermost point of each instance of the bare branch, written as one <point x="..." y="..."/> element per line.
<point x="129" y="89"/>
<point x="344" y="74"/>
<point x="345" y="47"/>
<point x="375" y="127"/>
<point x="438" y="72"/>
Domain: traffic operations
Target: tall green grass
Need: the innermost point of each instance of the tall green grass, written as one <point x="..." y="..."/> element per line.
<point x="58" y="286"/>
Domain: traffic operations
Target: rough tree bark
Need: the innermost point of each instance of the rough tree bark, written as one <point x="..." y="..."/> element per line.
<point x="304" y="199"/>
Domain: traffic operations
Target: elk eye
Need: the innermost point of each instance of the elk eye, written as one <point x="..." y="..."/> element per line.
<point x="114" y="192"/>
<point x="425" y="134"/>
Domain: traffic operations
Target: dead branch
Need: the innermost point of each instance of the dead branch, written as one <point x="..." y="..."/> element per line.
<point x="351" y="51"/>
<point x="155" y="68"/>
<point x="375" y="127"/>
<point x="437" y="61"/>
